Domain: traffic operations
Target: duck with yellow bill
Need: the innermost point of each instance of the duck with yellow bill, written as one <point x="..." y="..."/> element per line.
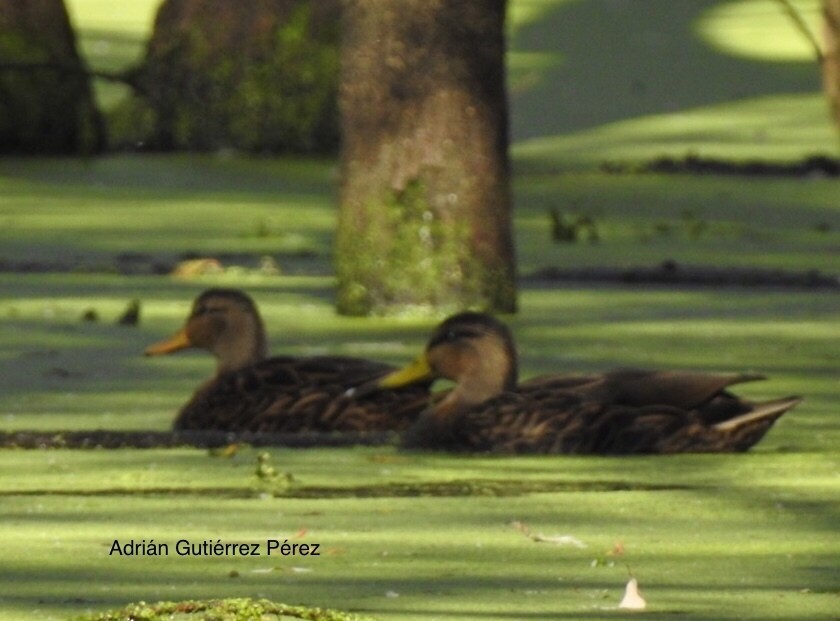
<point x="624" y="411"/>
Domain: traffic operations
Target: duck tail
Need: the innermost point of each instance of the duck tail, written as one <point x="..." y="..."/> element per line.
<point x="742" y="432"/>
<point x="765" y="411"/>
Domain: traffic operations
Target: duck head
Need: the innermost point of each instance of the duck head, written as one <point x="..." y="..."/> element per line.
<point x="226" y="323"/>
<point x="474" y="350"/>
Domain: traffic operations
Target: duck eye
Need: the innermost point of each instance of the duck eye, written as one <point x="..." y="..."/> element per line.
<point x="453" y="336"/>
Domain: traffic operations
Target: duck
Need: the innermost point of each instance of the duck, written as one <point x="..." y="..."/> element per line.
<point x="253" y="392"/>
<point x="620" y="412"/>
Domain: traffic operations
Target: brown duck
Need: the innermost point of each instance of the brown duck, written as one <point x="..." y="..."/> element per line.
<point x="620" y="412"/>
<point x="255" y="393"/>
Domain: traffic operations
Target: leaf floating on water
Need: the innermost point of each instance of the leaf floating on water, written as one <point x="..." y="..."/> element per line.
<point x="632" y="599"/>
<point x="522" y="528"/>
<point x="560" y="540"/>
<point x="229" y="450"/>
<point x="193" y="268"/>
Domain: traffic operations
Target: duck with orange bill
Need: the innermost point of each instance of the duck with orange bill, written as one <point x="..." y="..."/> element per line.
<point x="253" y="392"/>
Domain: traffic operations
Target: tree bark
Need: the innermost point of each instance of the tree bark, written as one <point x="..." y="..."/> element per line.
<point x="425" y="214"/>
<point x="831" y="56"/>
<point x="254" y="75"/>
<point x="46" y="102"/>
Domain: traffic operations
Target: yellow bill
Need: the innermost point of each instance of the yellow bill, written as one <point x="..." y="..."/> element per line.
<point x="176" y="342"/>
<point x="417" y="371"/>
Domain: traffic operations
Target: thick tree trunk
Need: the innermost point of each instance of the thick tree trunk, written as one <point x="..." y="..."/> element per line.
<point x="49" y="109"/>
<point x="253" y="75"/>
<point x="831" y="56"/>
<point x="425" y="218"/>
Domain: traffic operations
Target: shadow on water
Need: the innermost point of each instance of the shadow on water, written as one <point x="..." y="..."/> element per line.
<point x="445" y="489"/>
<point x="636" y="59"/>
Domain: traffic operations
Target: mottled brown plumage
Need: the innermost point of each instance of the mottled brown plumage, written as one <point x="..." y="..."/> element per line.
<point x="620" y="412"/>
<point x="251" y="392"/>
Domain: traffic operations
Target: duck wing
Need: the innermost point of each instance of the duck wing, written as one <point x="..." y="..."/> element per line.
<point x="705" y="394"/>
<point x="288" y="394"/>
<point x="574" y="417"/>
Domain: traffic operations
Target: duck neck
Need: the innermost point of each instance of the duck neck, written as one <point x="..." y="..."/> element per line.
<point x="489" y="376"/>
<point x="246" y="350"/>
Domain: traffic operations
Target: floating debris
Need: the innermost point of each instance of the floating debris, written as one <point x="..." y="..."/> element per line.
<point x="131" y="315"/>
<point x="560" y="540"/>
<point x="91" y="315"/>
<point x="632" y="599"/>
<point x="227" y="451"/>
<point x="269" y="266"/>
<point x="192" y="268"/>
<point x="569" y="228"/>
<point x="264" y="468"/>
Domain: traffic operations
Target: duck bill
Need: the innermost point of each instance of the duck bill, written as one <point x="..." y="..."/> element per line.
<point x="416" y="372"/>
<point x="176" y="342"/>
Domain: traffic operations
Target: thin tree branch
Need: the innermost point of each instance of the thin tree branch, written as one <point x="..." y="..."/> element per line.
<point x="803" y="28"/>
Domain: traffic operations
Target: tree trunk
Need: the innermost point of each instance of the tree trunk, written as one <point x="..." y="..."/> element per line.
<point x="831" y="56"/>
<point x="254" y="75"/>
<point x="425" y="215"/>
<point x="49" y="109"/>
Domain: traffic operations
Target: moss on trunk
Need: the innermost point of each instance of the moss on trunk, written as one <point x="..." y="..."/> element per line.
<point x="425" y="200"/>
<point x="254" y="76"/>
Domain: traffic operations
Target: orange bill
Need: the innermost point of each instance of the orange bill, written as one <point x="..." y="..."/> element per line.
<point x="176" y="342"/>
